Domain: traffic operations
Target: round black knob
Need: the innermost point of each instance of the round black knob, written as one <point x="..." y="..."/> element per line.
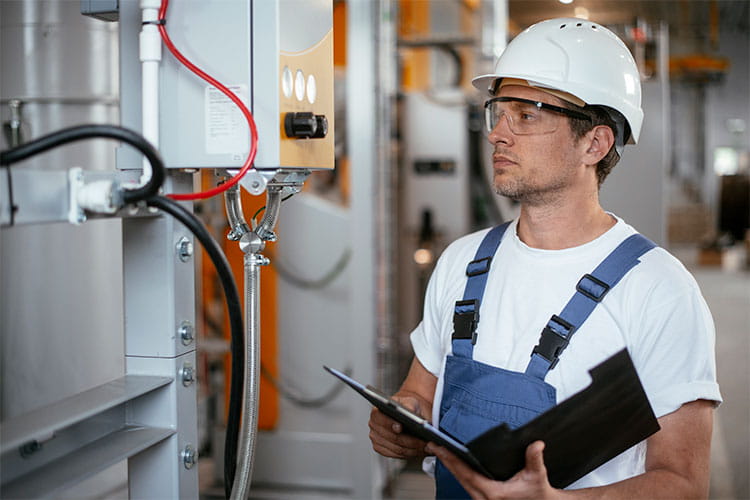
<point x="322" y="126"/>
<point x="300" y="125"/>
<point x="305" y="125"/>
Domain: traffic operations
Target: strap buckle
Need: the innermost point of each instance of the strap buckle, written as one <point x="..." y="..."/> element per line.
<point x="465" y="320"/>
<point x="478" y="266"/>
<point x="593" y="288"/>
<point x="554" y="340"/>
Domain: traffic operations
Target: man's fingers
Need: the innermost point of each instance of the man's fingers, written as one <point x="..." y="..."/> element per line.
<point x="398" y="446"/>
<point x="468" y="477"/>
<point x="388" y="432"/>
<point x="535" y="458"/>
<point x="380" y="419"/>
<point x="410" y="403"/>
<point x="387" y="439"/>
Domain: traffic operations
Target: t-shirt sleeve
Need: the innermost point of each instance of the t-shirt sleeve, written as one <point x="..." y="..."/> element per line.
<point x="674" y="348"/>
<point x="425" y="338"/>
<point x="431" y="338"/>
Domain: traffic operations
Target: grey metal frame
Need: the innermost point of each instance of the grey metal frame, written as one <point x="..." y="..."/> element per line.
<point x="159" y="293"/>
<point x="149" y="416"/>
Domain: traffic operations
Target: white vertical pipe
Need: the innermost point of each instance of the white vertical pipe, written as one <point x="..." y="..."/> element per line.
<point x="494" y="29"/>
<point x="150" y="56"/>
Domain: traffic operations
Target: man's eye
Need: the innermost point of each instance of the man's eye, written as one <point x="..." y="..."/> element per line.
<point x="528" y="116"/>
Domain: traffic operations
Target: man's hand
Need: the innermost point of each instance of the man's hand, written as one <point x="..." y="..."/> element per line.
<point x="530" y="482"/>
<point x="416" y="394"/>
<point x="387" y="435"/>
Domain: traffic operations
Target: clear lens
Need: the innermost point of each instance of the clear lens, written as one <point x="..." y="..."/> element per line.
<point x="524" y="117"/>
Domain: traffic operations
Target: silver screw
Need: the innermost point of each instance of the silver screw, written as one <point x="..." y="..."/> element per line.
<point x="184" y="249"/>
<point x="186" y="332"/>
<point x="187" y="374"/>
<point x="189" y="457"/>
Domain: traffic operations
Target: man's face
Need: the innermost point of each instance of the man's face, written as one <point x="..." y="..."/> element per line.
<point x="535" y="168"/>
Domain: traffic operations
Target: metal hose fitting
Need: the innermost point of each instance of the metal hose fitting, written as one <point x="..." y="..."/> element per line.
<point x="233" y="204"/>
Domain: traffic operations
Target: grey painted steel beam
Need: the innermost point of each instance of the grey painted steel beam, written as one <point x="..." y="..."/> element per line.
<point x="85" y="462"/>
<point x="45" y="421"/>
<point x="38" y="195"/>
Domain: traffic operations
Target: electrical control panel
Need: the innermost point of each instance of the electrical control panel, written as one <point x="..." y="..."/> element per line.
<point x="277" y="56"/>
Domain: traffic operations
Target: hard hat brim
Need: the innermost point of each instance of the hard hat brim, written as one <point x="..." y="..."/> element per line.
<point x="484" y="83"/>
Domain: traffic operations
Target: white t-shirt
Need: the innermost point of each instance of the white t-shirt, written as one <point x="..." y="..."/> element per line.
<point x="656" y="311"/>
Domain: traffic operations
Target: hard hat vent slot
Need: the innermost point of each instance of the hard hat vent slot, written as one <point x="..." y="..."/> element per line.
<point x="562" y="26"/>
<point x="579" y="24"/>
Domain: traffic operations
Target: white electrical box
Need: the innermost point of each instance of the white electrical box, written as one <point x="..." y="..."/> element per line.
<point x="276" y="55"/>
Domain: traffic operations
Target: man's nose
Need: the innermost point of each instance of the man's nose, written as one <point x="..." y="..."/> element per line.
<point x="501" y="133"/>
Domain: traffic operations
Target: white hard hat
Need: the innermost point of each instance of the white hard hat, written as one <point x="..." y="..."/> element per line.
<point x="575" y="56"/>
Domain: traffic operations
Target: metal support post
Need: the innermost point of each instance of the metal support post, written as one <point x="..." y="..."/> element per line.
<point x="159" y="295"/>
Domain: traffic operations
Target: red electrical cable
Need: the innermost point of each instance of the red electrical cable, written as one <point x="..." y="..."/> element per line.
<point x="248" y="116"/>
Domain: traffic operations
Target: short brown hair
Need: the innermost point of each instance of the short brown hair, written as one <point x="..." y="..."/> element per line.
<point x="599" y="116"/>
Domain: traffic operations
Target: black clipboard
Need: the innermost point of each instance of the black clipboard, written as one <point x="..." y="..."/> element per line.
<point x="413" y="423"/>
<point x="581" y="433"/>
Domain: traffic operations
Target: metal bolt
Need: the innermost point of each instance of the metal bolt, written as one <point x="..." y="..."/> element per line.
<point x="189" y="457"/>
<point x="186" y="332"/>
<point x="251" y="243"/>
<point x="184" y="249"/>
<point x="187" y="374"/>
<point x="28" y="449"/>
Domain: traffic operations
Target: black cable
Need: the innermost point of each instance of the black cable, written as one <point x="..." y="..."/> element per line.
<point x="80" y="132"/>
<point x="453" y="53"/>
<point x="12" y="208"/>
<point x="312" y="284"/>
<point x="263" y="208"/>
<point x="224" y="272"/>
<point x="149" y="193"/>
<point x="301" y="401"/>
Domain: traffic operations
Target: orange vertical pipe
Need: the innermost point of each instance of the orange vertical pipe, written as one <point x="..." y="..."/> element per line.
<point x="339" y="34"/>
<point x="414" y="22"/>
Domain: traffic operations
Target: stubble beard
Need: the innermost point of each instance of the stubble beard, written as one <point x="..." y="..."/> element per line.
<point x="524" y="192"/>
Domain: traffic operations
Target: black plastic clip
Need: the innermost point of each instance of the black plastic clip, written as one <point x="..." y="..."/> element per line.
<point x="479" y="266"/>
<point x="554" y="340"/>
<point x="465" y="320"/>
<point x="593" y="288"/>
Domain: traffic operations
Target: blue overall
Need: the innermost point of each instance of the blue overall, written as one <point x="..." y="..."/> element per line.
<point x="477" y="396"/>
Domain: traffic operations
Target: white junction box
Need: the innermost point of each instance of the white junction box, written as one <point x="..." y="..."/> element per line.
<point x="276" y="55"/>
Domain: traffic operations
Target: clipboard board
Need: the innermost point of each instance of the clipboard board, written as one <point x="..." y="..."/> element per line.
<point x="581" y="433"/>
<point x="413" y="424"/>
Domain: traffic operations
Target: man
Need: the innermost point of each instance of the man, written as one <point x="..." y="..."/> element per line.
<point x="564" y="100"/>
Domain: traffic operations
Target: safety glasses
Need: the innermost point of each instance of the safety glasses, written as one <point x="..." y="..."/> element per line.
<point x="526" y="117"/>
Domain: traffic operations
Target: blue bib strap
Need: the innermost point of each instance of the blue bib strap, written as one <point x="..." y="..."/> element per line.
<point x="466" y="312"/>
<point x="590" y="290"/>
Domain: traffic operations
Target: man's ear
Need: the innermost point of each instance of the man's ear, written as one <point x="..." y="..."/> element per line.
<point x="599" y="141"/>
